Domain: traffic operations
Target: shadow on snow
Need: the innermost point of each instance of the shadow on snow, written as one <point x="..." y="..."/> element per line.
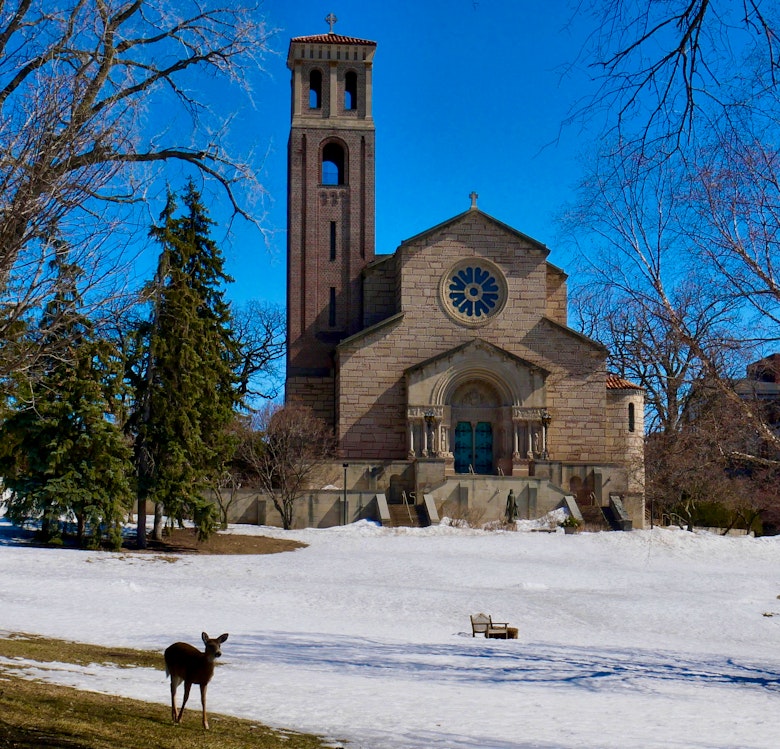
<point x="505" y="662"/>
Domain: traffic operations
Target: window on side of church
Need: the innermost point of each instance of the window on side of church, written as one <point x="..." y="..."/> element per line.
<point x="631" y="418"/>
<point x="315" y="89"/>
<point x="332" y="164"/>
<point x="350" y="91"/>
<point x="332" y="308"/>
<point x="332" y="240"/>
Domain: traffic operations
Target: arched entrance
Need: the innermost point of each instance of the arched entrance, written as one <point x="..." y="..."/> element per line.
<point x="476" y="412"/>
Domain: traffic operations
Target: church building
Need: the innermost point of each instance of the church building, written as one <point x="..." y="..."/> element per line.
<point x="447" y="368"/>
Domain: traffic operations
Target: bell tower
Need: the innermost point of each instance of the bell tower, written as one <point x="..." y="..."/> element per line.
<point x="330" y="207"/>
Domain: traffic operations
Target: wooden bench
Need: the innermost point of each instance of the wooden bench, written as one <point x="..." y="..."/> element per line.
<point x="484" y="625"/>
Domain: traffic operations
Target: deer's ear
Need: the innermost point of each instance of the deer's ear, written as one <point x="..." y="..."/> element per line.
<point x="222" y="638"/>
<point x="205" y="638"/>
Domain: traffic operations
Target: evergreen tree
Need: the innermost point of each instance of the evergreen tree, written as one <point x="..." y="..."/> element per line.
<point x="187" y="391"/>
<point x="62" y="455"/>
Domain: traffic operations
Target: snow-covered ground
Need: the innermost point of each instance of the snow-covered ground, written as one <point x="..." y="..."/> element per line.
<point x="627" y="640"/>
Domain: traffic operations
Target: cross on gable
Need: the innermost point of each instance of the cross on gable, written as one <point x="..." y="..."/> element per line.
<point x="473" y="197"/>
<point x="331" y="19"/>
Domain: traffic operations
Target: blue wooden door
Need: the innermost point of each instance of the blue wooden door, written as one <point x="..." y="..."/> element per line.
<point x="483" y="448"/>
<point x="464" y="447"/>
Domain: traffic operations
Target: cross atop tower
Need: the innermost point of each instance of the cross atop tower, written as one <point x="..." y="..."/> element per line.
<point x="331" y="19"/>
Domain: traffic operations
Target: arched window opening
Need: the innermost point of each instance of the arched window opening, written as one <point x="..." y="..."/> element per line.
<point x="333" y="164"/>
<point x="315" y="89"/>
<point x="350" y="91"/>
<point x="631" y="418"/>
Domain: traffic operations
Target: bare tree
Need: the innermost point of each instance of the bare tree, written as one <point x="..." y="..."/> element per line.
<point x="225" y="486"/>
<point x="668" y="69"/>
<point x="736" y="197"/>
<point x="642" y="349"/>
<point x="678" y="222"/>
<point x="708" y="467"/>
<point x="639" y="291"/>
<point x="261" y="331"/>
<point x="83" y="84"/>
<point x="286" y="447"/>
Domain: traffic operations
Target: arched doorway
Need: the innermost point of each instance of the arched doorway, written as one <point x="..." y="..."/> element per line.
<point x="475" y="417"/>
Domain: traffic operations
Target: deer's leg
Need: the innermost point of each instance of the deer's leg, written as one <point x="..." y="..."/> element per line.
<point x="187" y="685"/>
<point x="203" y="705"/>
<point x="175" y="681"/>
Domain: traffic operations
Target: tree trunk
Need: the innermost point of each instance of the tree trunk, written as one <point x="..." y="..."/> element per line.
<point x="140" y="532"/>
<point x="80" y="526"/>
<point x="157" y="532"/>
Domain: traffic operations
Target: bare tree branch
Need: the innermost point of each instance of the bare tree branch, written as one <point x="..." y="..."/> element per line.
<point x="664" y="67"/>
<point x="75" y="82"/>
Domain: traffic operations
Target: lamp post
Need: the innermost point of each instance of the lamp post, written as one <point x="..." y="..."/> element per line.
<point x="546" y="419"/>
<point x="344" y="510"/>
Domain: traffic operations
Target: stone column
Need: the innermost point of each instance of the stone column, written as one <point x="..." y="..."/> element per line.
<point x="369" y="89"/>
<point x="444" y="445"/>
<point x="297" y="89"/>
<point x="334" y="90"/>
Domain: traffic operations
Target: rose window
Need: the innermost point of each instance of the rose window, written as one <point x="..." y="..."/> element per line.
<point x="473" y="292"/>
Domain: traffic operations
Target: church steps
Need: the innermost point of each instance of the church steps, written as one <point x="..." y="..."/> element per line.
<point x="399" y="516"/>
<point x="594" y="518"/>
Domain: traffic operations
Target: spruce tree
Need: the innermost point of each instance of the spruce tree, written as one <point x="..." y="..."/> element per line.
<point x="62" y="456"/>
<point x="187" y="391"/>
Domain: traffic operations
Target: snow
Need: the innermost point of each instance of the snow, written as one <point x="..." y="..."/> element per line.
<point x="634" y="640"/>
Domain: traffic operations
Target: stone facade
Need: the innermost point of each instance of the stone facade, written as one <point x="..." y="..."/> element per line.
<point x="447" y="368"/>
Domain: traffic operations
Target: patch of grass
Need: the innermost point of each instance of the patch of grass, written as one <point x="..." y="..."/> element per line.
<point x="38" y="715"/>
<point x="44" y="649"/>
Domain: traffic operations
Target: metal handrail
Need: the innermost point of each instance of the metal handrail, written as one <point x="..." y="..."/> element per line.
<point x="408" y="506"/>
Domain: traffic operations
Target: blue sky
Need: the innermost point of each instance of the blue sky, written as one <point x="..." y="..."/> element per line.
<point x="468" y="95"/>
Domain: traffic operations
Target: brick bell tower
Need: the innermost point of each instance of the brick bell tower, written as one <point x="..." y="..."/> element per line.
<point x="330" y="207"/>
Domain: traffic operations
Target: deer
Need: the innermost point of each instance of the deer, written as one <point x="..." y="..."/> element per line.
<point x="185" y="663"/>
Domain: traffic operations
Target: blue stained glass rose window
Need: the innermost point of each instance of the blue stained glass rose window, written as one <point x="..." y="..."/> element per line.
<point x="474" y="291"/>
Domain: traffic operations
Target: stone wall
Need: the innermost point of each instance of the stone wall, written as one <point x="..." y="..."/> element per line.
<point x="557" y="296"/>
<point x="478" y="499"/>
<point x="314" y="392"/>
<point x="379" y="291"/>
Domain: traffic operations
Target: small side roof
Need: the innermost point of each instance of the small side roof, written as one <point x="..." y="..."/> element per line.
<point x="618" y="383"/>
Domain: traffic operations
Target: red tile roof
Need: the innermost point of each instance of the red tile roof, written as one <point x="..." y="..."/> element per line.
<point x="331" y="39"/>
<point x="618" y="383"/>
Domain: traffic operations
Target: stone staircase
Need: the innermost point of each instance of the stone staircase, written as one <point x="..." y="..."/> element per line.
<point x="594" y="519"/>
<point x="399" y="516"/>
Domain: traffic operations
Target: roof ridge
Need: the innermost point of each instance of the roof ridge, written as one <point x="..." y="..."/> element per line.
<point x="329" y="38"/>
